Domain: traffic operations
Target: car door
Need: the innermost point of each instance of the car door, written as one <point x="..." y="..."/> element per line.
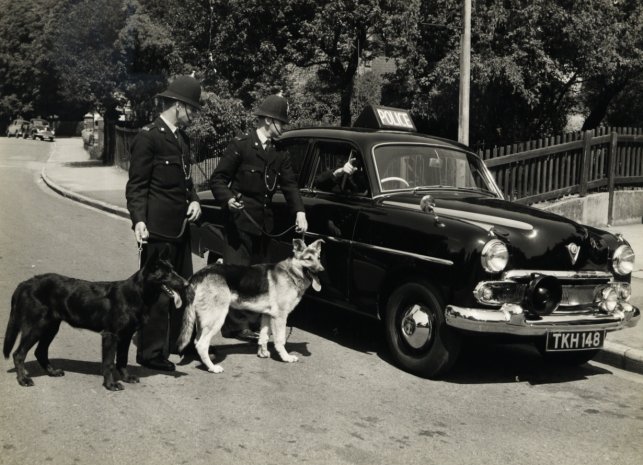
<point x="281" y="247"/>
<point x="332" y="214"/>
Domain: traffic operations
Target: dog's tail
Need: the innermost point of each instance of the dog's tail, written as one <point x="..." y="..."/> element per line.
<point x="13" y="326"/>
<point x="189" y="317"/>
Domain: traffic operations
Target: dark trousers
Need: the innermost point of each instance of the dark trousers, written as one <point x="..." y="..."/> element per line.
<point x="243" y="249"/>
<point x="158" y="335"/>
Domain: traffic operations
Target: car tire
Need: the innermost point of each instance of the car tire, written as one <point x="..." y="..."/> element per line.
<point x="569" y="358"/>
<point x="416" y="331"/>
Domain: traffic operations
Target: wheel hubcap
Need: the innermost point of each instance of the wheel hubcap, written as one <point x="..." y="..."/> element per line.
<point x="417" y="326"/>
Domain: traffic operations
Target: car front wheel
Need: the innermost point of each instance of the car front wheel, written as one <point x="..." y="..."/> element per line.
<point x="416" y="332"/>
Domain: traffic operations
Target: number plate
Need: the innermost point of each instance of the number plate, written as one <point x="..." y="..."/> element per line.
<point x="558" y="341"/>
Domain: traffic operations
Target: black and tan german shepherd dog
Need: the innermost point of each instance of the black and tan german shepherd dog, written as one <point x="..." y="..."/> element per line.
<point x="273" y="290"/>
<point x="115" y="309"/>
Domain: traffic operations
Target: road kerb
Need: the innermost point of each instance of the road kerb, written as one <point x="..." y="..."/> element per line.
<point x="621" y="356"/>
<point x="104" y="206"/>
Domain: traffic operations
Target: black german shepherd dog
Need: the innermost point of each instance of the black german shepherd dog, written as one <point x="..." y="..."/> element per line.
<point x="115" y="309"/>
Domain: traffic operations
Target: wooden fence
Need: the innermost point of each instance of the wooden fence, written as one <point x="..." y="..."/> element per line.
<point x="575" y="163"/>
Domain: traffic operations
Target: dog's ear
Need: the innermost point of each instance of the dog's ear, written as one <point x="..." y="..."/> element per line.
<point x="298" y="246"/>
<point x="165" y="252"/>
<point x="316" y="245"/>
<point x="152" y="258"/>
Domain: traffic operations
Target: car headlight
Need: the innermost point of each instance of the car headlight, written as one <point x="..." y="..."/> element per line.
<point x="623" y="260"/>
<point x="495" y="256"/>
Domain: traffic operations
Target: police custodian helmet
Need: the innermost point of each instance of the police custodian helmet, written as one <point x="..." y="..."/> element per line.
<point x="185" y="89"/>
<point x="274" y="106"/>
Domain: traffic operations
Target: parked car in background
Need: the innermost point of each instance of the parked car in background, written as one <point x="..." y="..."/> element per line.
<point x="17" y="128"/>
<point x="422" y="238"/>
<point x="40" y="128"/>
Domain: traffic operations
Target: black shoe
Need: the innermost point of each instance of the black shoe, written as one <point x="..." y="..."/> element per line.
<point x="156" y="364"/>
<point x="246" y="335"/>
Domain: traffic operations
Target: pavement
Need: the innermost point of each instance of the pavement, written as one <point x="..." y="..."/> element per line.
<point x="70" y="172"/>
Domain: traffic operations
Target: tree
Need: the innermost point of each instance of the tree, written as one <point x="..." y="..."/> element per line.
<point x="533" y="63"/>
<point x="335" y="35"/>
<point x="27" y="83"/>
<point x="104" y="60"/>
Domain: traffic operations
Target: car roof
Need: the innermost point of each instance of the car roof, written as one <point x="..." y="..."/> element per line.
<point x="363" y="136"/>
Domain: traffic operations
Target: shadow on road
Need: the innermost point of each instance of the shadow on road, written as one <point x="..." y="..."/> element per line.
<point x="221" y="352"/>
<point x="91" y="368"/>
<point x="480" y="361"/>
<point x="487" y="363"/>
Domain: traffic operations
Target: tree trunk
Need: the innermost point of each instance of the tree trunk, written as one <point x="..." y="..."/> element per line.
<point x="345" y="103"/>
<point x="600" y="104"/>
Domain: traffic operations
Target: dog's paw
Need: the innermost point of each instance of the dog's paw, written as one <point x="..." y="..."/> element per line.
<point x="113" y="386"/>
<point x="263" y="352"/>
<point x="55" y="372"/>
<point x="216" y="369"/>
<point x="131" y="379"/>
<point x="25" y="381"/>
<point x="288" y="358"/>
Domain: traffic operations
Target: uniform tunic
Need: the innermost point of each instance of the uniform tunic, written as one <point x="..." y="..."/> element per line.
<point x="248" y="169"/>
<point x="158" y="193"/>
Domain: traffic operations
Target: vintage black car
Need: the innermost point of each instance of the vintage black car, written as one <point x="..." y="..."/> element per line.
<point x="422" y="238"/>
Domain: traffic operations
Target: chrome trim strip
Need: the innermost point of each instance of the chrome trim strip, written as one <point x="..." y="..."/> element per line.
<point x="571" y="275"/>
<point x="441" y="261"/>
<point x="410" y="206"/>
<point x="426" y="258"/>
<point x="479" y="219"/>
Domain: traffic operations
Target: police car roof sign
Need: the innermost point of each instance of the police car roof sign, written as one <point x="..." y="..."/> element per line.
<point x="379" y="117"/>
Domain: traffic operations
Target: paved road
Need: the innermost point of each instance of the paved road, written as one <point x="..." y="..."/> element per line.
<point x="344" y="403"/>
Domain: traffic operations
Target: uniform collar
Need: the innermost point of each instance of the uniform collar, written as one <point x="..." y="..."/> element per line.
<point x="169" y="125"/>
<point x="262" y="137"/>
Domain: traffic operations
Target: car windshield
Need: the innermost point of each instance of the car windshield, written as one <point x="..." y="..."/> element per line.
<point x="418" y="166"/>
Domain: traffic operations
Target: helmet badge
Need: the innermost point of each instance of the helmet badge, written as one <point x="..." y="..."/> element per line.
<point x="573" y="250"/>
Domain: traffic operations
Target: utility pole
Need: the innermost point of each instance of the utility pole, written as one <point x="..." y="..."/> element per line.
<point x="465" y="74"/>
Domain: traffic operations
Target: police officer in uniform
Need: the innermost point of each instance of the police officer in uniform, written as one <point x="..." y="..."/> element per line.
<point x="251" y="167"/>
<point x="161" y="200"/>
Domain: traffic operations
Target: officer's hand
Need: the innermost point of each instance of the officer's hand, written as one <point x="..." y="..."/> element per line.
<point x="194" y="211"/>
<point x="348" y="168"/>
<point x="301" y="224"/>
<point x="234" y="204"/>
<point x="141" y="232"/>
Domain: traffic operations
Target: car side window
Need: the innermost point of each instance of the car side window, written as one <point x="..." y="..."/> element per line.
<point x="296" y="148"/>
<point x="333" y="155"/>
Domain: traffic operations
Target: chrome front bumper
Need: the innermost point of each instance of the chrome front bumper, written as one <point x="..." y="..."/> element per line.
<point x="512" y="319"/>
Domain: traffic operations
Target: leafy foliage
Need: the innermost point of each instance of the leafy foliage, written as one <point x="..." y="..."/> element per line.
<point x="533" y="63"/>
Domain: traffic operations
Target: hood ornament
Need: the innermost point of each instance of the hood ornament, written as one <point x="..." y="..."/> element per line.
<point x="573" y="250"/>
<point x="427" y="205"/>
